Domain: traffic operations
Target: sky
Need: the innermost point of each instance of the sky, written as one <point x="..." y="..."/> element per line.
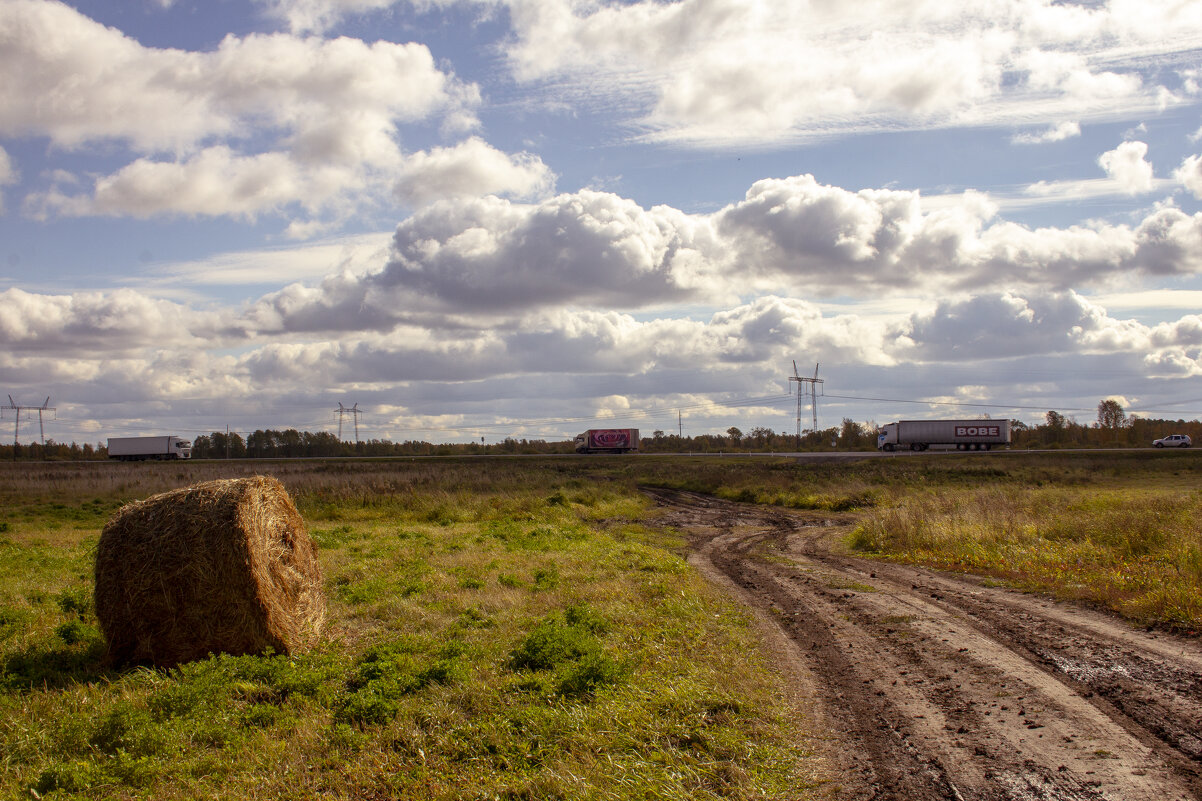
<point x="524" y="218"/>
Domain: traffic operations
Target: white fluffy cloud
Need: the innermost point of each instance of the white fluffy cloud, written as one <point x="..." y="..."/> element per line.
<point x="92" y="322"/>
<point x="491" y="258"/>
<point x="260" y="123"/>
<point x="583" y="343"/>
<point x="589" y="248"/>
<point x="1127" y="166"/>
<point x="125" y="348"/>
<point x="75" y="81"/>
<point x="826" y="239"/>
<point x="758" y="335"/>
<point x="1190" y="175"/>
<point x="732" y="71"/>
<point x="729" y="71"/>
<point x="1000" y="326"/>
<point x="470" y="169"/>
<point x="218" y="182"/>
<point x="215" y="182"/>
<point x="1007" y="326"/>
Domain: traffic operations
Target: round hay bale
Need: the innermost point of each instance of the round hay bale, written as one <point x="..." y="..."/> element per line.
<point x="220" y="567"/>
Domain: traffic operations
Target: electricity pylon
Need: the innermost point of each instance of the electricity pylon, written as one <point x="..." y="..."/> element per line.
<point x="17" y="408"/>
<point x="813" y="384"/>
<point x="353" y="411"/>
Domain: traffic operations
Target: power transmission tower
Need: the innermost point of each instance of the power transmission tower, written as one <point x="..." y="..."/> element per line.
<point x="17" y="409"/>
<point x="813" y="384"/>
<point x="353" y="411"/>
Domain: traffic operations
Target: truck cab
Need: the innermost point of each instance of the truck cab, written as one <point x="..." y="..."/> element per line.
<point x="883" y="441"/>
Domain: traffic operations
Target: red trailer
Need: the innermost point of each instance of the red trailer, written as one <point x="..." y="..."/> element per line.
<point x="608" y="440"/>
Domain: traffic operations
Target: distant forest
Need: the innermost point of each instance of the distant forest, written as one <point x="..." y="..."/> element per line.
<point x="1112" y="428"/>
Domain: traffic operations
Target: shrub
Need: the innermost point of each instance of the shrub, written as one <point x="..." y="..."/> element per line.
<point x="127" y="729"/>
<point x="73" y="632"/>
<point x="550" y="643"/>
<point x="546" y="578"/>
<point x="69" y="777"/>
<point x="588" y="673"/>
<point x="388" y="672"/>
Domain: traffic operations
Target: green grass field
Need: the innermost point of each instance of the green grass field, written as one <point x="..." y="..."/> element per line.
<point x="519" y="628"/>
<point x="499" y="629"/>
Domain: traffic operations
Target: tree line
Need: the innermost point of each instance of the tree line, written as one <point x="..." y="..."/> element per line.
<point x="1112" y="427"/>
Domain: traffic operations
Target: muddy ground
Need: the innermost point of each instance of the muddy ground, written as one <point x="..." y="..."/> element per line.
<point x="936" y="686"/>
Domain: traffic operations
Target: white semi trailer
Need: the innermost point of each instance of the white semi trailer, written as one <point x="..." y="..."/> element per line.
<point x="139" y="448"/>
<point x="964" y="435"/>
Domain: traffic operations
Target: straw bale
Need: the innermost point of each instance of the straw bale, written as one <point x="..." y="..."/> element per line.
<point x="220" y="567"/>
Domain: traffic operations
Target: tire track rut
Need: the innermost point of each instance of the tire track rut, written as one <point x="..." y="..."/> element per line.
<point x="936" y="686"/>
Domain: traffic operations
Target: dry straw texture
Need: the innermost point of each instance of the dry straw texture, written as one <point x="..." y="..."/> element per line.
<point x="220" y="567"/>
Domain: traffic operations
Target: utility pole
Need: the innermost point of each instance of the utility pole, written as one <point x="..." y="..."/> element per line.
<point x="679" y="424"/>
<point x="813" y="384"/>
<point x="353" y="411"/>
<point x="17" y="409"/>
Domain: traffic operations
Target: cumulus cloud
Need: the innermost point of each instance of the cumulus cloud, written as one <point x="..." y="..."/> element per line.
<point x="324" y="114"/>
<point x="999" y="326"/>
<point x="215" y="182"/>
<point x="1053" y="324"/>
<point x="750" y="339"/>
<point x="471" y="168"/>
<point x="1189" y="174"/>
<point x="587" y="247"/>
<point x="828" y="240"/>
<point x="732" y="71"/>
<point x="494" y="258"/>
<point x="490" y="257"/>
<point x="75" y="81"/>
<point x="123" y="347"/>
<point x="111" y="323"/>
<point x="833" y="237"/>
<point x="1127" y="166"/>
<point x="581" y="342"/>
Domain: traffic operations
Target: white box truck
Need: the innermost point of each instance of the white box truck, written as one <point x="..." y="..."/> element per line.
<point x="964" y="435"/>
<point x="130" y="449"/>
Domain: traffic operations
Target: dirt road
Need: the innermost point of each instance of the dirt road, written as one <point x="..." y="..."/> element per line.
<point x="937" y="686"/>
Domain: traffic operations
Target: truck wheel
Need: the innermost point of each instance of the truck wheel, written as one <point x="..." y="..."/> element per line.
<point x="888" y="448"/>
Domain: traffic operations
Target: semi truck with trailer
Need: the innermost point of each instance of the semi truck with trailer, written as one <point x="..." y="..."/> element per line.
<point x="130" y="449"/>
<point x="608" y="440"/>
<point x="963" y="435"/>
